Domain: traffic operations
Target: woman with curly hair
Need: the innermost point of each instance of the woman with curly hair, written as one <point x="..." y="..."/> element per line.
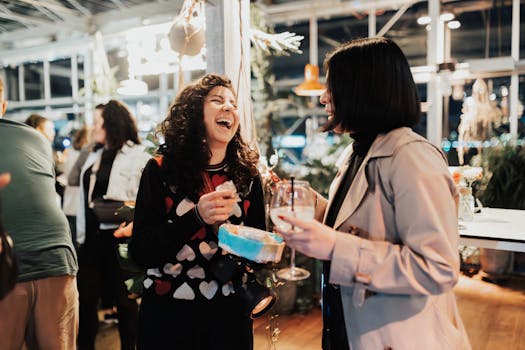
<point x="177" y="213"/>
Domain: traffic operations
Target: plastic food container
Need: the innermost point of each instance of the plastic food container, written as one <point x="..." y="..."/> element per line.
<point x="251" y="243"/>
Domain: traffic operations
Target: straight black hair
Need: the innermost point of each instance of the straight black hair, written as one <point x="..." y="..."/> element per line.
<point x="371" y="87"/>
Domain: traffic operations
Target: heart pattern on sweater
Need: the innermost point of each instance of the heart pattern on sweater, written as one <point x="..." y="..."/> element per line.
<point x="186" y="253"/>
<point x="208" y="289"/>
<point x="162" y="287"/>
<point x="208" y="249"/>
<point x="196" y="272"/>
<point x="227" y="289"/>
<point x="184" y="206"/>
<point x="173" y="270"/>
<point x="184" y="292"/>
<point x="147" y="283"/>
<point x="153" y="272"/>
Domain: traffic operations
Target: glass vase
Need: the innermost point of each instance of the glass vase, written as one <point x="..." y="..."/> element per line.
<point x="466" y="203"/>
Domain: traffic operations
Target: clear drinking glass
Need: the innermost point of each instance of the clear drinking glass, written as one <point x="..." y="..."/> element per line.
<point x="292" y="198"/>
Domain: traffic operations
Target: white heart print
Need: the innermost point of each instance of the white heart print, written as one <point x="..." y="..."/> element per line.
<point x="208" y="289"/>
<point x="208" y="249"/>
<point x="227" y="289"/>
<point x="173" y="270"/>
<point x="196" y="272"/>
<point x="153" y="272"/>
<point x="184" y="206"/>
<point x="147" y="283"/>
<point x="186" y="253"/>
<point x="184" y="292"/>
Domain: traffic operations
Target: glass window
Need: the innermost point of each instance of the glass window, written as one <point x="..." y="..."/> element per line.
<point x="81" y="76"/>
<point x="483" y="33"/>
<point x="11" y="91"/>
<point x="60" y="77"/>
<point x="34" y="80"/>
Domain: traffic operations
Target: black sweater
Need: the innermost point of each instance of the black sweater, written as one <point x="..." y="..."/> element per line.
<point x="172" y="243"/>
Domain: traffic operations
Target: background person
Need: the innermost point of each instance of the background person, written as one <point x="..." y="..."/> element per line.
<point x="176" y="218"/>
<point x="111" y="172"/>
<point x="42" y="309"/>
<point x="70" y="198"/>
<point x="389" y="241"/>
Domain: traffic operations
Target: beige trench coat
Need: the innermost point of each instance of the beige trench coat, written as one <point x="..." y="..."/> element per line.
<point x="397" y="273"/>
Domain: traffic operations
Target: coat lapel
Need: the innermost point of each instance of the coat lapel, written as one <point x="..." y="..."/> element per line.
<point x="354" y="196"/>
<point x="382" y="146"/>
<point x="336" y="182"/>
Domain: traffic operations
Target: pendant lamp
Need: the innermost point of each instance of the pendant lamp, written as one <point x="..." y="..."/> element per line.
<point x="311" y="85"/>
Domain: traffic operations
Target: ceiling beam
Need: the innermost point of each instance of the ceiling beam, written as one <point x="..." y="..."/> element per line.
<point x="299" y="11"/>
<point x="119" y="4"/>
<point x="79" y="7"/>
<point x="24" y="19"/>
<point x="129" y="17"/>
<point x="393" y="19"/>
<point x="50" y="14"/>
<point x="51" y="5"/>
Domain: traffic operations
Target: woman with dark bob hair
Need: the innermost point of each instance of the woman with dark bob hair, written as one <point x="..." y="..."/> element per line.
<point x="109" y="177"/>
<point x="389" y="238"/>
<point x="180" y="203"/>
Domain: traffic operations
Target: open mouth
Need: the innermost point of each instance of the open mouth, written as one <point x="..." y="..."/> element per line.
<point x="225" y="123"/>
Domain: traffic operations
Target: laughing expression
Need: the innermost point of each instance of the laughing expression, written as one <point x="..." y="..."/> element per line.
<point x="326" y="100"/>
<point x="221" y="118"/>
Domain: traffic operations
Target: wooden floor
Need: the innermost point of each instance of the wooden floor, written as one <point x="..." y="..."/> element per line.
<point x="494" y="316"/>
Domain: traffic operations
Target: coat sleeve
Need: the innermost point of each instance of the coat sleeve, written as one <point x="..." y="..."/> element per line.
<point x="155" y="236"/>
<point x="425" y="260"/>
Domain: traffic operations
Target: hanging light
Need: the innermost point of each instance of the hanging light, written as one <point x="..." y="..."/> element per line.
<point x="311" y="85"/>
<point x="132" y="87"/>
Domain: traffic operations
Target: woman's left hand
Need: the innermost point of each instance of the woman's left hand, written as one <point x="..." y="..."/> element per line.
<point x="124" y="230"/>
<point x="313" y="239"/>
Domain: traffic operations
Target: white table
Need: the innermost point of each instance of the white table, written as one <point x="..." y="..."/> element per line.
<point x="502" y="229"/>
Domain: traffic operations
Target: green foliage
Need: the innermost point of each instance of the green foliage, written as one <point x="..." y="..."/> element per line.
<point x="504" y="185"/>
<point x="151" y="143"/>
<point x="265" y="109"/>
<point x="322" y="172"/>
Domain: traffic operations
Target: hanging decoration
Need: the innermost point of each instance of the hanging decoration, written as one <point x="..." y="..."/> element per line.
<point x="280" y="43"/>
<point x="104" y="83"/>
<point x="187" y="34"/>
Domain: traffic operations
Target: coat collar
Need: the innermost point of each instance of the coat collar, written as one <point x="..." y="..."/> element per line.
<point x="383" y="146"/>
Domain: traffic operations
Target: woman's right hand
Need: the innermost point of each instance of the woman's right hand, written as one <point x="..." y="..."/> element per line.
<point x="216" y="206"/>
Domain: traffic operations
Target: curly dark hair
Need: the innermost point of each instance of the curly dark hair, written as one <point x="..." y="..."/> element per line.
<point x="186" y="152"/>
<point x="119" y="124"/>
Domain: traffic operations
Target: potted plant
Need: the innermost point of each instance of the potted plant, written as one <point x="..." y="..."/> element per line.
<point x="503" y="187"/>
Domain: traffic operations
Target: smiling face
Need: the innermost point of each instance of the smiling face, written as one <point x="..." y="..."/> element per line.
<point x="326" y="100"/>
<point x="221" y="118"/>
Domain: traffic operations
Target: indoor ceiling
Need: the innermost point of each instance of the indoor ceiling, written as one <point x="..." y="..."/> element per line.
<point x="485" y="24"/>
<point x="26" y="23"/>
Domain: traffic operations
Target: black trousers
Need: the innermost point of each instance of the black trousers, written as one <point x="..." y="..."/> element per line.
<point x="100" y="272"/>
<point x="166" y="323"/>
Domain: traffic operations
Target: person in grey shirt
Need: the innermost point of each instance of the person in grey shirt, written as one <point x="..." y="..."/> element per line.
<point x="42" y="309"/>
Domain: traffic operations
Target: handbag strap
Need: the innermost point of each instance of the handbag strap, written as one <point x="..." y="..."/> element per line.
<point x="93" y="180"/>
